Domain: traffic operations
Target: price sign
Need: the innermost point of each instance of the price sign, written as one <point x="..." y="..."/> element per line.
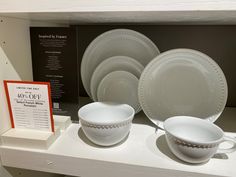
<point x="30" y="105"/>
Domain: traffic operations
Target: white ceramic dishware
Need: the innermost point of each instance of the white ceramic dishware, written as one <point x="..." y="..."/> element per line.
<point x="118" y="42"/>
<point x="114" y="63"/>
<point x="119" y="87"/>
<point x="182" y="82"/>
<point x="106" y="124"/>
<point x="195" y="140"/>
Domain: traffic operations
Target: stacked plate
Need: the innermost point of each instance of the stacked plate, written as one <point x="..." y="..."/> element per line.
<point x="124" y="66"/>
<point x="112" y="65"/>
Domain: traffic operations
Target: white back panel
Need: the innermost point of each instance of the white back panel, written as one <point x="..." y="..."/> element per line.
<point x="7" y="72"/>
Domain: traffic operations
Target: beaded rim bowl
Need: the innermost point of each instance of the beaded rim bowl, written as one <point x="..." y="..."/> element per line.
<point x="106" y="124"/>
<point x="106" y="114"/>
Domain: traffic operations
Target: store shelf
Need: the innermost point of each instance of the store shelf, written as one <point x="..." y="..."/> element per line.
<point x="143" y="153"/>
<point x="131" y="11"/>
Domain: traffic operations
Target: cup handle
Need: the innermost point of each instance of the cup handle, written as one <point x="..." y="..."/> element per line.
<point x="228" y="150"/>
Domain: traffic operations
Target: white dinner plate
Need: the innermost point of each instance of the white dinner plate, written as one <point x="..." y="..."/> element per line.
<point x="122" y="42"/>
<point x="116" y="63"/>
<point x="120" y="87"/>
<point x="182" y="82"/>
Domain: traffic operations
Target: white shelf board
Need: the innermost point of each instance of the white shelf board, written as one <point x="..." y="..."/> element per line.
<point x="107" y="11"/>
<point x="143" y="153"/>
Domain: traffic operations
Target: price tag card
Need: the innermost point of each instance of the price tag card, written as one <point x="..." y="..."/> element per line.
<point x="30" y="105"/>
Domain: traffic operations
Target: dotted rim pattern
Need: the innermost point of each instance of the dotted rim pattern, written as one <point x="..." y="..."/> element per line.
<point x="115" y="60"/>
<point x="107" y="36"/>
<point x="212" y="63"/>
<point x="117" y="125"/>
<point x="191" y="145"/>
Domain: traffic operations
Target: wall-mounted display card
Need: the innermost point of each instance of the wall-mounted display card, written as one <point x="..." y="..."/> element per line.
<point x="54" y="58"/>
<point x="30" y="105"/>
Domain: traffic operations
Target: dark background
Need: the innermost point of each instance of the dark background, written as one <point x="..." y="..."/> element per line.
<point x="219" y="42"/>
<point x="68" y="99"/>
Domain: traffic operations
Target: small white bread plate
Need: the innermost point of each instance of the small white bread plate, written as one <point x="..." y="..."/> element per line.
<point x="182" y="82"/>
<point x="119" y="87"/>
<point x="118" y="42"/>
<point x="116" y="63"/>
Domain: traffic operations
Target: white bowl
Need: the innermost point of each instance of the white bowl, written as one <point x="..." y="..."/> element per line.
<point x="195" y="140"/>
<point x="106" y="124"/>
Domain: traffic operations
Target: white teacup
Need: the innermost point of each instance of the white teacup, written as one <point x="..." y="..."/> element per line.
<point x="195" y="140"/>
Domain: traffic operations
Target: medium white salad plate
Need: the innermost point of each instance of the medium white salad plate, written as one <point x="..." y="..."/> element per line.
<point x="119" y="87"/>
<point x="116" y="63"/>
<point x="182" y="82"/>
<point x="122" y="42"/>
